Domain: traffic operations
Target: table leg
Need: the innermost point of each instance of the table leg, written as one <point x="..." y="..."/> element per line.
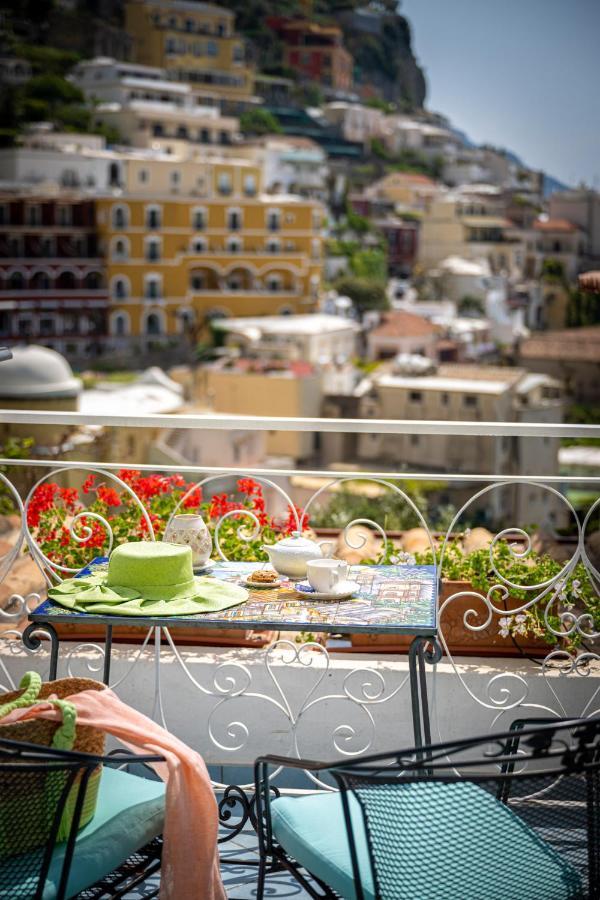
<point x="33" y="642"/>
<point x="422" y="650"/>
<point x="107" y="653"/>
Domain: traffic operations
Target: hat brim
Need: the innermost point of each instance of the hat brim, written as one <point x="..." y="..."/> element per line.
<point x="202" y="594"/>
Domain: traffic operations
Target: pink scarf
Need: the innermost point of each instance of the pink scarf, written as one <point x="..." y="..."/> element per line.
<point x="190" y="865"/>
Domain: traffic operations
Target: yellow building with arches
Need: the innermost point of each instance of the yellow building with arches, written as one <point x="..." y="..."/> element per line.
<point x="175" y="262"/>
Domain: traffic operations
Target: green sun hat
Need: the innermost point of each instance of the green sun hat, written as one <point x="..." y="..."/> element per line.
<point x="148" y="578"/>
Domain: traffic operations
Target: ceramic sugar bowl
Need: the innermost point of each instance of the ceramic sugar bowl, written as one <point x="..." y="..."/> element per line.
<point x="290" y="555"/>
<point x="190" y="529"/>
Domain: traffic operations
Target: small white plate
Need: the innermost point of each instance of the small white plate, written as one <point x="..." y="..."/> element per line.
<point x="261" y="584"/>
<point x="344" y="590"/>
<point x="206" y="567"/>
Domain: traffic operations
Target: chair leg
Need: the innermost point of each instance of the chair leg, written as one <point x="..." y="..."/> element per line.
<point x="260" y="884"/>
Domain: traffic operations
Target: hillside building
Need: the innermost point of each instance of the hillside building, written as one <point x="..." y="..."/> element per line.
<point x="195" y="43"/>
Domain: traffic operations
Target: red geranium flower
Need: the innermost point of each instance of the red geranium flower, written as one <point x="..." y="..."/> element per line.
<point x="193" y="500"/>
<point x="248" y="486"/>
<point x="89" y="484"/>
<point x="108" y="496"/>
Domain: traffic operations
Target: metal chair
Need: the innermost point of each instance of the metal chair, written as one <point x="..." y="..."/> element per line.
<point x="43" y="798"/>
<point x="513" y="816"/>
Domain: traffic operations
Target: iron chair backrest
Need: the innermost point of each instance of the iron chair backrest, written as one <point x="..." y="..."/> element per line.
<point x="36" y="785"/>
<point x="544" y="774"/>
<point x="548" y="775"/>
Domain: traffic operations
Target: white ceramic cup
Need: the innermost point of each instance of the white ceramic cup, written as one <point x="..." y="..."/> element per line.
<point x="325" y="575"/>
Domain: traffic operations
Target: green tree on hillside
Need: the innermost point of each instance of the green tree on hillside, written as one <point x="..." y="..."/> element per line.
<point x="366" y="295"/>
<point x="259" y="121"/>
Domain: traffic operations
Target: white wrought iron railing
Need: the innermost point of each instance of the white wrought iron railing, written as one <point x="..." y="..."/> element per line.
<point x="345" y="705"/>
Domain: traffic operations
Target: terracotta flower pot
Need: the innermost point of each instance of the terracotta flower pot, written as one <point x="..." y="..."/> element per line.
<point x="460" y="640"/>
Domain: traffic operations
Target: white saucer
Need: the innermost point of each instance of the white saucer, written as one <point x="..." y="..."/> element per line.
<point x="205" y="567"/>
<point x="261" y="584"/>
<point x="344" y="590"/>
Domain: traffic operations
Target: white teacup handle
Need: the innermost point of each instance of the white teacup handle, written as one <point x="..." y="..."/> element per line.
<point x="335" y="576"/>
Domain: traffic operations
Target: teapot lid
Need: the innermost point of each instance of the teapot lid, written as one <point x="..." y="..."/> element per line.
<point x="297" y="542"/>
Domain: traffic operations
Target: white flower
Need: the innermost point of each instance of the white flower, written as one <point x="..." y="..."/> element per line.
<point x="521" y="618"/>
<point x="504" y="624"/>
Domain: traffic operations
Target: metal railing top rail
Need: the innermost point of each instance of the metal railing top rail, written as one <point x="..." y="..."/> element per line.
<point x="230" y="422"/>
<point x="330" y="474"/>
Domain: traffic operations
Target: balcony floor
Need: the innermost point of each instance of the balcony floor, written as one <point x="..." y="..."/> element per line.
<point x="239" y="881"/>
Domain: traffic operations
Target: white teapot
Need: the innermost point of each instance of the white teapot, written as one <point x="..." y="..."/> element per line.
<point x="290" y="555"/>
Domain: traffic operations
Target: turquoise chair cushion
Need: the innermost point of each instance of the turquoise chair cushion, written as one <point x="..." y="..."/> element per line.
<point x="451" y="841"/>
<point x="129" y="813"/>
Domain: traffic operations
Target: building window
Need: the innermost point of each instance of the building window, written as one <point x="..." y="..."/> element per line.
<point x="212" y="48"/>
<point x="121" y="249"/>
<point x="224" y="183"/>
<point x="198" y="245"/>
<point x="273" y="220"/>
<point x="234" y="219"/>
<point x="33" y="214"/>
<point x="153" y="217"/>
<point x="171" y="46"/>
<point x="273" y="246"/>
<point x="414" y="440"/>
<point x="415" y="396"/>
<point x="46" y="326"/>
<point x="16" y="282"/>
<point x="470" y="400"/>
<point x="153" y="249"/>
<point x="204" y="136"/>
<point x="445" y="399"/>
<point x="198" y="219"/>
<point x="152" y="287"/>
<point x="182" y="133"/>
<point x="114" y="175"/>
<point x="154" y="324"/>
<point x="224" y="138"/>
<point x="197" y="282"/>
<point x="120" y="289"/>
<point x="234" y="245"/>
<point x="250" y="185"/>
<point x="39" y="282"/>
<point x="143" y="176"/>
<point x="234" y="283"/>
<point x="4" y="214"/>
<point x="64" y="216"/>
<point x="120" y="217"/>
<point x="273" y="283"/>
<point x="120" y="325"/>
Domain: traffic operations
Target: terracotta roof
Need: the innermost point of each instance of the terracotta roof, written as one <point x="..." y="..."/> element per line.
<point x="554" y="225"/>
<point x="401" y="324"/>
<point x="576" y="344"/>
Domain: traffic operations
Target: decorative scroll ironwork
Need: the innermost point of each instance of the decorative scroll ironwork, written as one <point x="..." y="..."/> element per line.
<point x="352" y="710"/>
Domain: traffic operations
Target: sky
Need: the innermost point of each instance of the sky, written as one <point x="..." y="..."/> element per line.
<point x="522" y="74"/>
